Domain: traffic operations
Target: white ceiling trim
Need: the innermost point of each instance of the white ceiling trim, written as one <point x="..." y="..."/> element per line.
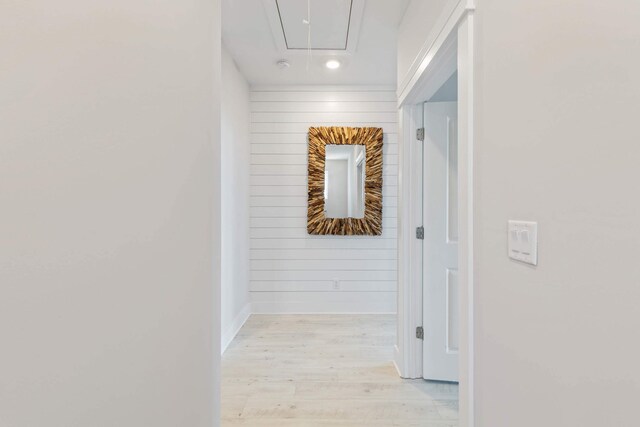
<point x="355" y="22"/>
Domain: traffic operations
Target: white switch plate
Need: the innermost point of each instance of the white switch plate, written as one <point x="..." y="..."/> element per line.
<point x="523" y="241"/>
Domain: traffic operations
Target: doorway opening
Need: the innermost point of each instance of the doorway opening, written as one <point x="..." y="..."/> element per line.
<point x="435" y="323"/>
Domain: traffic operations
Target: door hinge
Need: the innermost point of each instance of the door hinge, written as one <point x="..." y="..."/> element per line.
<point x="420" y="332"/>
<point x="420" y="134"/>
<point x="420" y="233"/>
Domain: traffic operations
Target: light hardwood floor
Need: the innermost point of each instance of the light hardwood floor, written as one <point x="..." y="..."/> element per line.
<point x="326" y="370"/>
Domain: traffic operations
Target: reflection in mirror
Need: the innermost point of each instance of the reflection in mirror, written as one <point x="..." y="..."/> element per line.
<point x="344" y="181"/>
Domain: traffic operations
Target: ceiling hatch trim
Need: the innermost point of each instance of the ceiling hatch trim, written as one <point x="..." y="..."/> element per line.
<point x="334" y="32"/>
<point x="343" y="30"/>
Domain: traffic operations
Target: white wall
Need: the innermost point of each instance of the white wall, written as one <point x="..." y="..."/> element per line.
<point x="415" y="35"/>
<point x="290" y="270"/>
<point x="557" y="143"/>
<point x="556" y="106"/>
<point x="235" y="199"/>
<point x="109" y="120"/>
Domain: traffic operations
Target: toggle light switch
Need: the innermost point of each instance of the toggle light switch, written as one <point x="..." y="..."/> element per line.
<point x="523" y="241"/>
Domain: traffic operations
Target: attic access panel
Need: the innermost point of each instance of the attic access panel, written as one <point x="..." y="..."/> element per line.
<point x="330" y="21"/>
<point x="335" y="24"/>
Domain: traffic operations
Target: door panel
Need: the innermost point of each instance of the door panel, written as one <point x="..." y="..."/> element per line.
<point x="440" y="268"/>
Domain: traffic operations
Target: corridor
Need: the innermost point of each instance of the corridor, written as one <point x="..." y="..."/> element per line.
<point x="326" y="370"/>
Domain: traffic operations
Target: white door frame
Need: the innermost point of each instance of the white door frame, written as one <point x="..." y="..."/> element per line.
<point x="452" y="47"/>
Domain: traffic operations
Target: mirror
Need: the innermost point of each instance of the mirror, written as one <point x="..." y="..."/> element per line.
<point x="344" y="178"/>
<point x="345" y="181"/>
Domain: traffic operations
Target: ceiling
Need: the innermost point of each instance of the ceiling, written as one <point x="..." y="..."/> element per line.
<point x="361" y="34"/>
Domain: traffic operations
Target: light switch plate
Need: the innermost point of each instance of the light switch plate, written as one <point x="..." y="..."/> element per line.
<point x="523" y="241"/>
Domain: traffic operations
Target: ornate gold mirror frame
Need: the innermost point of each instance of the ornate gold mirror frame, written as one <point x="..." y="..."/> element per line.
<point x="371" y="224"/>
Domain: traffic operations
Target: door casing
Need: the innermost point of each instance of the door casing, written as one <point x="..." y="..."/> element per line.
<point x="452" y="48"/>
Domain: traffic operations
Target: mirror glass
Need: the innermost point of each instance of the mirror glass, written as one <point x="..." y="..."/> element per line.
<point x="344" y="181"/>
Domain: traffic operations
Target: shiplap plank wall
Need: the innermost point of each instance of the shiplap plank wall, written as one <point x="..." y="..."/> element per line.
<point x="290" y="270"/>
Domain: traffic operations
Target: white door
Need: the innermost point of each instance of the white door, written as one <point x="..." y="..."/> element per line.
<point x="440" y="263"/>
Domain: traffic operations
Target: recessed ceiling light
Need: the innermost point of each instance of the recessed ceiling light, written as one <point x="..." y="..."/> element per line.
<point x="332" y="64"/>
<point x="283" y="64"/>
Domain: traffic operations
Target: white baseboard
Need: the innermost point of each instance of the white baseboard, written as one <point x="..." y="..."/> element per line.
<point x="397" y="360"/>
<point x="230" y="333"/>
<point x="302" y="308"/>
<point x="323" y="302"/>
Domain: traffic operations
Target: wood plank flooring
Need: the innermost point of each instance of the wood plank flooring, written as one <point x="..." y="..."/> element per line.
<point x="326" y="370"/>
